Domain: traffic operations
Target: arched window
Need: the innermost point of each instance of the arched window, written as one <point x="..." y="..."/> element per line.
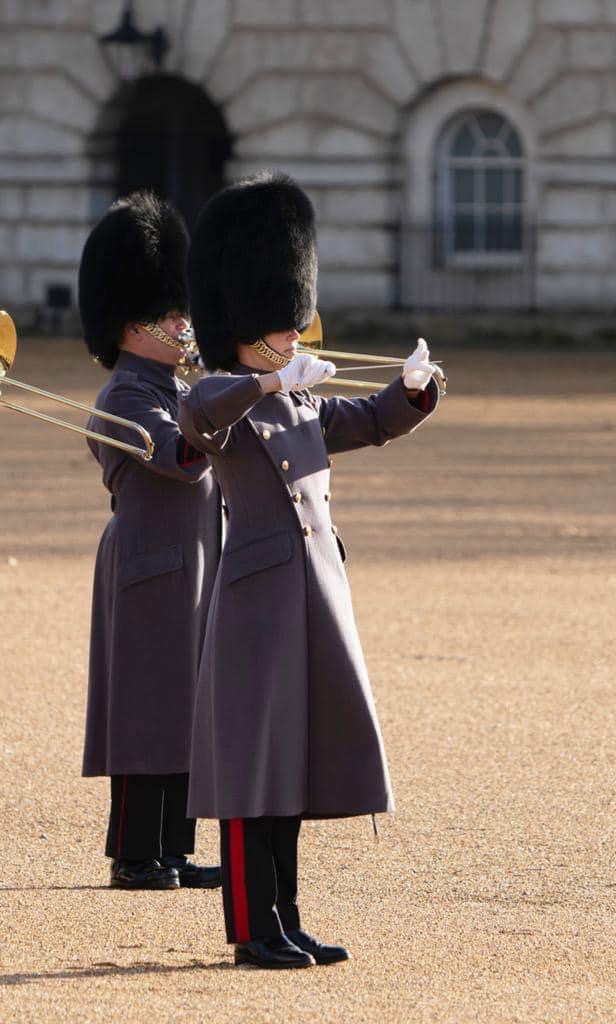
<point x="480" y="190"/>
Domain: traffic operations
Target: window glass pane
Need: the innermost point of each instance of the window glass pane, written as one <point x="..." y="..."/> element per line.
<point x="490" y="124"/>
<point x="513" y="232"/>
<point x="463" y="185"/>
<point x="495" y="232"/>
<point x="517" y="184"/>
<point x="464" y="142"/>
<point x="464" y="232"/>
<point x="503" y="232"/>
<point x="495" y="185"/>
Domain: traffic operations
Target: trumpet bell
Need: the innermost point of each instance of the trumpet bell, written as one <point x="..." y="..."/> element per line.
<point x="312" y="337"/>
<point x="8" y="349"/>
<point x="8" y="342"/>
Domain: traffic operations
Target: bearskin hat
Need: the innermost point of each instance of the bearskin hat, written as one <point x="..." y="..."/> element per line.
<point x="133" y="268"/>
<point x="252" y="265"/>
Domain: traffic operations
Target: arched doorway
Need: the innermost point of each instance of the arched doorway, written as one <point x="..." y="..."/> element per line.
<point x="162" y="133"/>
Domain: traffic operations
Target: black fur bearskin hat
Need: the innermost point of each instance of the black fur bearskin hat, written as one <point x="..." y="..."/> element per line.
<point x="133" y="269"/>
<point x="252" y="265"/>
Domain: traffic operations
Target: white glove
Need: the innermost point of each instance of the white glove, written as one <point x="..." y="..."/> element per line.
<point x="304" y="371"/>
<point x="418" y="369"/>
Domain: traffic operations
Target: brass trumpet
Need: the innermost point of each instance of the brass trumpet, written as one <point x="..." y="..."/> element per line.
<point x="311" y="341"/>
<point x="8" y="348"/>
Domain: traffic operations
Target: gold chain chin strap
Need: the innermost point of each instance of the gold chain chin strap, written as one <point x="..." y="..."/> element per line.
<point x="163" y="336"/>
<point x="263" y="349"/>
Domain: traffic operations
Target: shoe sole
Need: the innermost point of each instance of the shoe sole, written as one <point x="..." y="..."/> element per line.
<point x="271" y="967"/>
<point x="131" y="886"/>
<point x="200" y="885"/>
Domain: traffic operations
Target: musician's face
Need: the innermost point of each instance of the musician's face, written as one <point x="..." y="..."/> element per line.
<point x="283" y="342"/>
<point x="174" y="323"/>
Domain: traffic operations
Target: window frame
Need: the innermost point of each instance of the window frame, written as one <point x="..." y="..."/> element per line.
<point x="446" y="205"/>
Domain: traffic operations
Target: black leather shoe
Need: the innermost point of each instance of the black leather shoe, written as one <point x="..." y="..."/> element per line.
<point x="321" y="953"/>
<point x="273" y="953"/>
<point x="142" y="874"/>
<point x="194" y="876"/>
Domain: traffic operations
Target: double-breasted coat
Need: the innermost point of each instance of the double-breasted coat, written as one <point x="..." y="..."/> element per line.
<point x="154" y="573"/>
<point x="284" y="721"/>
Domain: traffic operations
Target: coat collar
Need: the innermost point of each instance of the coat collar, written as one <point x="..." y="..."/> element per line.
<point x="160" y="374"/>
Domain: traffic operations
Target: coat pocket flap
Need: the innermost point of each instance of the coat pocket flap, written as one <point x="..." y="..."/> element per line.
<point x="254" y="557"/>
<point x="150" y="564"/>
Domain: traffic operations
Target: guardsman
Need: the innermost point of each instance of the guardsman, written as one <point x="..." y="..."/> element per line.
<point x="158" y="555"/>
<point x="285" y="726"/>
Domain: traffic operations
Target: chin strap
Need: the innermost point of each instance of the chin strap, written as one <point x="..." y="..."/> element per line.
<point x="274" y="357"/>
<point x="185" y="344"/>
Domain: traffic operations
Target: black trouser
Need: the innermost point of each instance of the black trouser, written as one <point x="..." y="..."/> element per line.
<point x="148" y="817"/>
<point x="259" y="876"/>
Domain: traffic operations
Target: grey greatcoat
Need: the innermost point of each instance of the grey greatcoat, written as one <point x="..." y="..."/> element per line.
<point x="154" y="573"/>
<point x="284" y="721"/>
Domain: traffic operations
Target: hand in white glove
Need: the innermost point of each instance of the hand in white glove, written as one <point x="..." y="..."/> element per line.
<point x="304" y="371"/>
<point x="418" y="369"/>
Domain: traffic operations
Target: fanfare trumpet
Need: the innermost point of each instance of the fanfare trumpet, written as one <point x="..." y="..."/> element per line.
<point x="8" y="348"/>
<point x="311" y="341"/>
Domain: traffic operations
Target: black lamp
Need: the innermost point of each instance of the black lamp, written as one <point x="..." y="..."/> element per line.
<point x="131" y="52"/>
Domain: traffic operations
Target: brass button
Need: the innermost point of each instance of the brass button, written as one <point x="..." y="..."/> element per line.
<point x="284" y="465"/>
<point x="307" y="531"/>
<point x="266" y="435"/>
<point x="327" y="496"/>
<point x="334" y="530"/>
<point x="297" y="498"/>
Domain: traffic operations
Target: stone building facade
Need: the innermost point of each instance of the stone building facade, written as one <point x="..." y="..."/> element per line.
<point x="460" y="153"/>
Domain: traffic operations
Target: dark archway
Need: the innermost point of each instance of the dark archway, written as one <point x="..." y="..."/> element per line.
<point x="163" y="133"/>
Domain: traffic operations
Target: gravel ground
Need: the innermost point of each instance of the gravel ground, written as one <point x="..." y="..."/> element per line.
<point x="483" y="567"/>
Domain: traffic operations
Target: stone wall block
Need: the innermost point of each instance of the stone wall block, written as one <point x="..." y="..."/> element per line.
<point x="561" y="247"/>
<point x="354" y="246"/>
<point x="27" y="137"/>
<point x="202" y="36"/>
<point x="267" y="13"/>
<point x="354" y="289"/>
<point x="271" y="98"/>
<point x="344" y="13"/>
<point x="540" y="63"/>
<point x="573" y="98"/>
<point x="570" y="11"/>
<point x="609" y="92"/>
<point x="308" y="136"/>
<point x="52" y="96"/>
<point x="568" y="289"/>
<point x="57" y="204"/>
<point x="12" y="286"/>
<point x="349" y="99"/>
<point x="49" y="244"/>
<point x="75" y="13"/>
<point x="357" y="206"/>
<point x="462" y="26"/>
<point x="510" y="30"/>
<point x="11" y="202"/>
<point x="382" y="61"/>
<point x="415" y="25"/>
<point x="14" y="92"/>
<point x="591" y="140"/>
<point x="572" y="206"/>
<point x="591" y="48"/>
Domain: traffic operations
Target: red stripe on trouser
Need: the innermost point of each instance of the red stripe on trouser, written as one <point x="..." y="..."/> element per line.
<point x="121" y="817"/>
<point x="239" y="896"/>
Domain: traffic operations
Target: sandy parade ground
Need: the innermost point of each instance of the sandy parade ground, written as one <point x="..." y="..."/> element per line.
<point x="482" y="557"/>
